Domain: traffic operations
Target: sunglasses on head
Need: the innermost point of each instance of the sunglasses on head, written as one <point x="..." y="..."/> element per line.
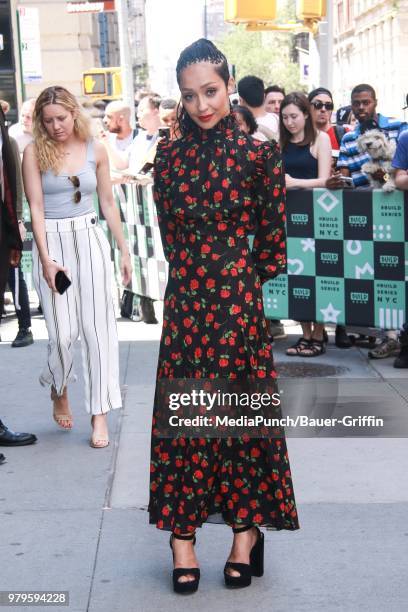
<point x="76" y="183"/>
<point x="326" y="105"/>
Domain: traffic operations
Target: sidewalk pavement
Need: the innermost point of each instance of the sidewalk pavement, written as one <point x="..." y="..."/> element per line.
<point x="74" y="518"/>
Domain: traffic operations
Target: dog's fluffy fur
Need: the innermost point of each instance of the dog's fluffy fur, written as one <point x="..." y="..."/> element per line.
<point x="381" y="151"/>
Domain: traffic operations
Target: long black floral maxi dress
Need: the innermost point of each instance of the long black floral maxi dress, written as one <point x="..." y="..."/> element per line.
<point x="213" y="188"/>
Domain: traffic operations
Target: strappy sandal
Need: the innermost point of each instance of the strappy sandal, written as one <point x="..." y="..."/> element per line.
<point x="297" y="348"/>
<point x="246" y="571"/>
<point x="65" y="421"/>
<point x="96" y="442"/>
<point x="315" y="348"/>
<point x="189" y="586"/>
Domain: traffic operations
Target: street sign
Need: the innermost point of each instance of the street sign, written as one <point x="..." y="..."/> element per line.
<point x="91" y="6"/>
<point x="29" y="25"/>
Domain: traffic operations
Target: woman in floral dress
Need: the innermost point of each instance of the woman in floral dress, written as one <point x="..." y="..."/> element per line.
<point x="213" y="187"/>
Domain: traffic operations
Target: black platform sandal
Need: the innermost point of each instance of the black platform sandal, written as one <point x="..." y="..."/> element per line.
<point x="189" y="586"/>
<point x="255" y="566"/>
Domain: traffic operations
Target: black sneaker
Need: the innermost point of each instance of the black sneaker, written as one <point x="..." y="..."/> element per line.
<point x="2" y="458"/>
<point x="342" y="340"/>
<point x="402" y="360"/>
<point x="23" y="338"/>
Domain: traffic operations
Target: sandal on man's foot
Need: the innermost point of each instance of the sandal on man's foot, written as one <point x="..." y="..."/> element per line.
<point x="387" y="348"/>
<point x="297" y="348"/>
<point x="315" y="348"/>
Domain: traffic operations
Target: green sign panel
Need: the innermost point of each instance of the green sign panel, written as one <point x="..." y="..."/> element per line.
<point x="347" y="259"/>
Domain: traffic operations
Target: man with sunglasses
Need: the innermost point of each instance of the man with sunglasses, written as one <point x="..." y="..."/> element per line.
<point x="321" y="101"/>
<point x="364" y="107"/>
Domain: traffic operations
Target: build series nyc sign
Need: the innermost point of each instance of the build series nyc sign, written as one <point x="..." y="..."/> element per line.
<point x="347" y="254"/>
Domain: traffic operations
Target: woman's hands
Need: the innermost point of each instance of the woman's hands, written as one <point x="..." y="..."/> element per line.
<point x="50" y="269"/>
<point x="335" y="181"/>
<point x="125" y="267"/>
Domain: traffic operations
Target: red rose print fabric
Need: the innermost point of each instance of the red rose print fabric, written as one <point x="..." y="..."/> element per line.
<point x="212" y="189"/>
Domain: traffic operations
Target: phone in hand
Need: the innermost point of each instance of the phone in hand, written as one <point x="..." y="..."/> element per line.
<point x="146" y="168"/>
<point x="347" y="180"/>
<point x="62" y="282"/>
<point x="164" y="132"/>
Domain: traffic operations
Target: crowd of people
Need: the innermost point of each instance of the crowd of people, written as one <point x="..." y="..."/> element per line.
<point x="220" y="173"/>
<point x="320" y="152"/>
<point x="318" y="149"/>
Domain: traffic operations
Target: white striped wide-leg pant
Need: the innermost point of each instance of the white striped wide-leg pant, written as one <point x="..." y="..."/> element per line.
<point x="85" y="310"/>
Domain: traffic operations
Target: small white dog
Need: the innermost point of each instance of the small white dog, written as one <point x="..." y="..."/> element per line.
<point x="381" y="151"/>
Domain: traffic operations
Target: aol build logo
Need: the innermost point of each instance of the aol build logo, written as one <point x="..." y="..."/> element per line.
<point x="358" y="221"/>
<point x="358" y="297"/>
<point x="299" y="218"/>
<point x="329" y="258"/>
<point x="390" y="261"/>
<point x="301" y="293"/>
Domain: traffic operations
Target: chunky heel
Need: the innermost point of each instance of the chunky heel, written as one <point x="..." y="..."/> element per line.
<point x="189" y="586"/>
<point x="257" y="556"/>
<point x="255" y="567"/>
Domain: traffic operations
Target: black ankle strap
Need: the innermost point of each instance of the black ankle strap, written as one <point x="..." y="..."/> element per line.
<point x="183" y="537"/>
<point x="240" y="529"/>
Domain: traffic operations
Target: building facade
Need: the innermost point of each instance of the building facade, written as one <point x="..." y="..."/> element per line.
<point x="137" y="41"/>
<point x="371" y="46"/>
<point x="71" y="43"/>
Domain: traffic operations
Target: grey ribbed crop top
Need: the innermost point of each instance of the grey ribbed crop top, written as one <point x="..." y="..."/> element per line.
<point x="59" y="191"/>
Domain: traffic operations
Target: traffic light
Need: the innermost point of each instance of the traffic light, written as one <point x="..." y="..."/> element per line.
<point x="249" y="10"/>
<point x="103" y="83"/>
<point x="310" y="9"/>
<point x="94" y="84"/>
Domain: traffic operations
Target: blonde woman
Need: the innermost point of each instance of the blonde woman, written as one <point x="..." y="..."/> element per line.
<point x="62" y="169"/>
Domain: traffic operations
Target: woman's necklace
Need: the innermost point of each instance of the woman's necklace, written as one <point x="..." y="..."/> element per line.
<point x="65" y="152"/>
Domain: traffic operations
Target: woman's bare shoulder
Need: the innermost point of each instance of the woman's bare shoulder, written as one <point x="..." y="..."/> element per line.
<point x="29" y="151"/>
<point x="30" y="156"/>
<point x="322" y="138"/>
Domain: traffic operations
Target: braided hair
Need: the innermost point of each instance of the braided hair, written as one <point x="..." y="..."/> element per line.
<point x="201" y="50"/>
